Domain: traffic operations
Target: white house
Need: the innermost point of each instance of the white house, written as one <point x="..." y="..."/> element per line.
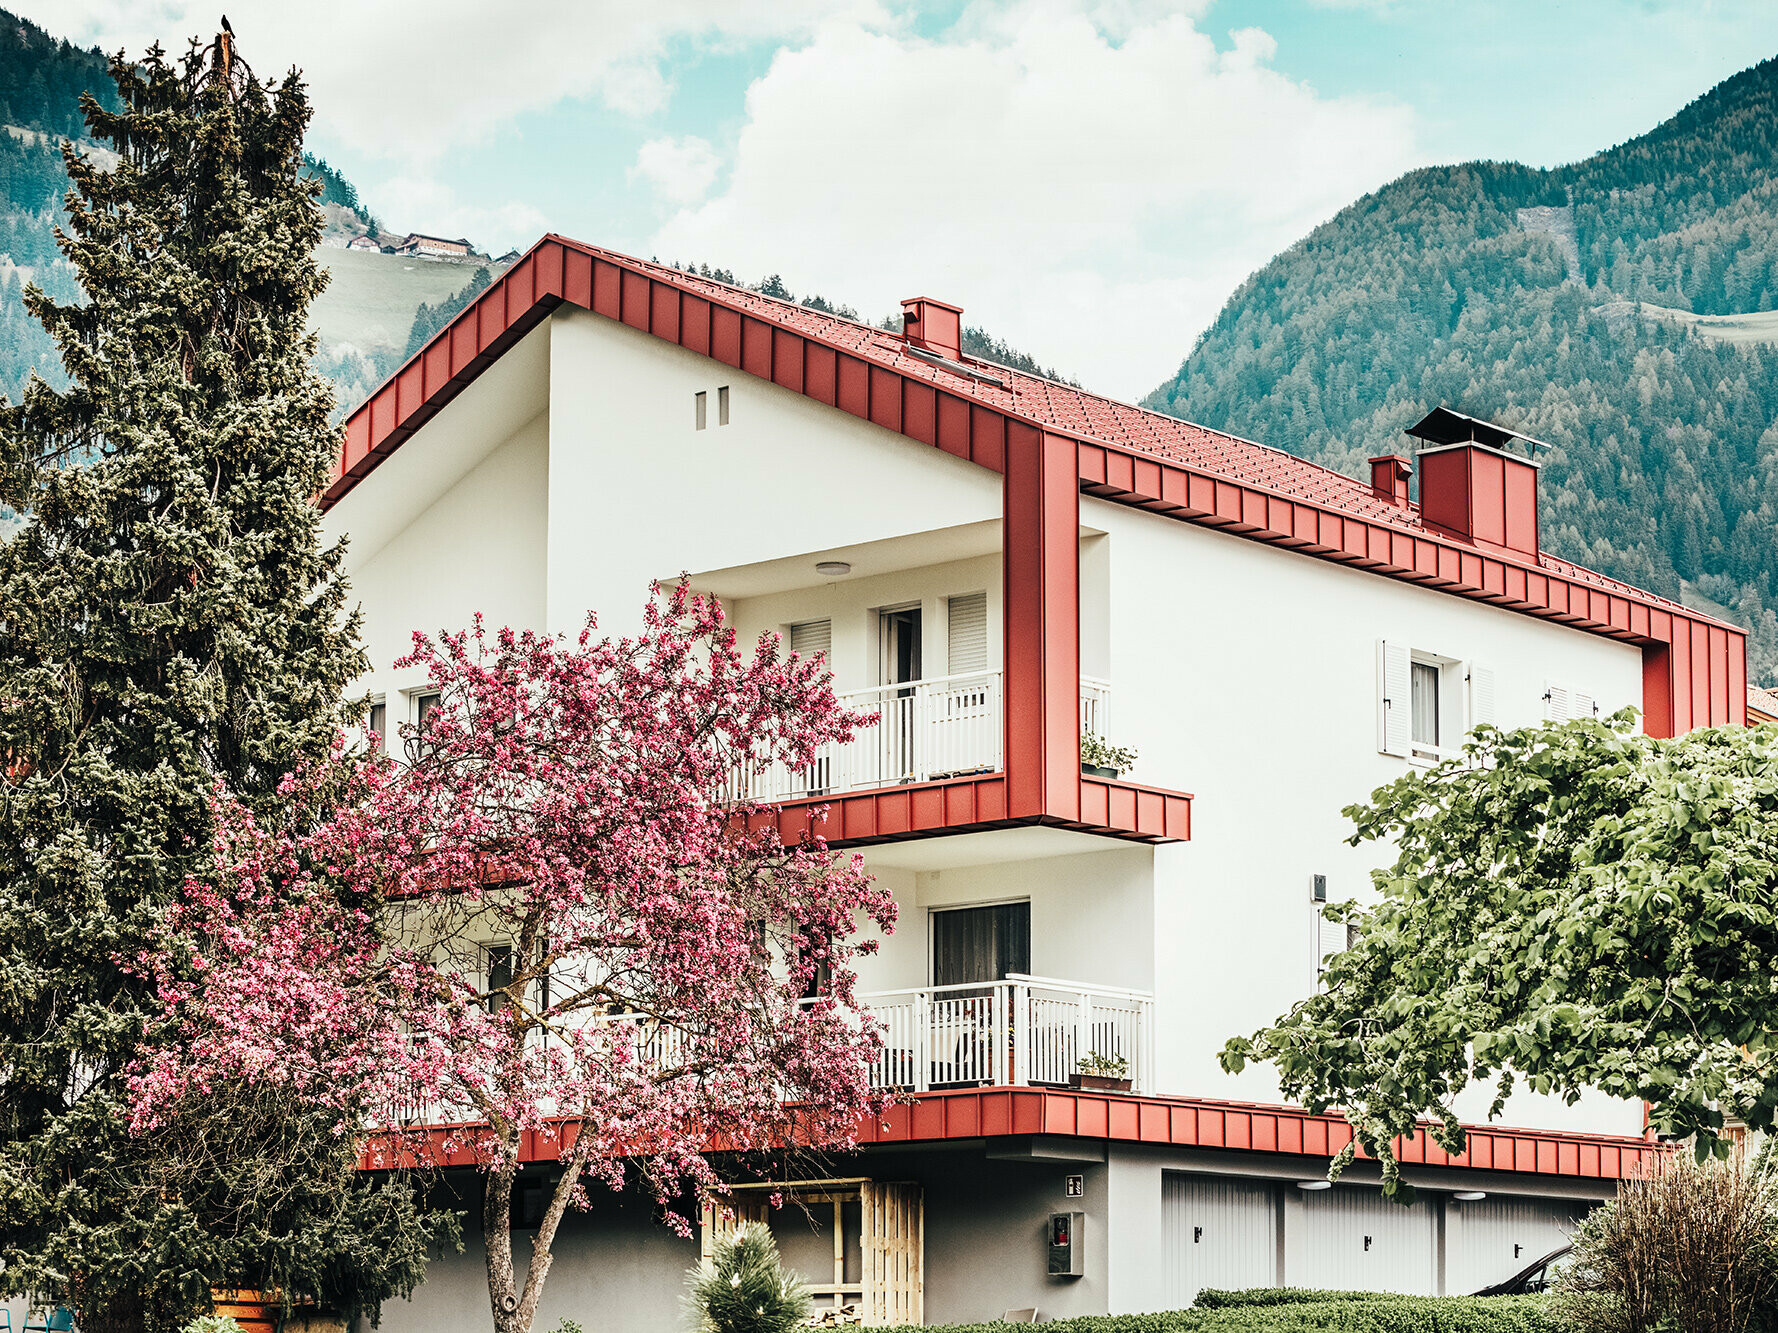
<point x="993" y="561"/>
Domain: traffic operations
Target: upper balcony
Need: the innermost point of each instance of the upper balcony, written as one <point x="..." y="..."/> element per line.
<point x="924" y="731"/>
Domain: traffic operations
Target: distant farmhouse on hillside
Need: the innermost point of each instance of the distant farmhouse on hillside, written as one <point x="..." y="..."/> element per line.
<point x="435" y="247"/>
<point x="363" y="243"/>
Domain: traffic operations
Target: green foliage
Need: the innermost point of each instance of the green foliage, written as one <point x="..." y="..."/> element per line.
<point x="1340" y="1312"/>
<point x="1213" y="1298"/>
<point x="1101" y="753"/>
<point x="742" y="1287"/>
<point x="1693" y="1250"/>
<point x="569" y="1326"/>
<point x="1569" y="907"/>
<point x="213" y="1323"/>
<point x="168" y="622"/>
<point x="1434" y="290"/>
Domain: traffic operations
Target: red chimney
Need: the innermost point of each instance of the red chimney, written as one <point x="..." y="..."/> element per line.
<point x="933" y="325"/>
<point x="1472" y="488"/>
<point x="1389" y="478"/>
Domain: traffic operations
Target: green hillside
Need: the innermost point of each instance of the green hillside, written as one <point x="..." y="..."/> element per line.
<point x="1621" y="308"/>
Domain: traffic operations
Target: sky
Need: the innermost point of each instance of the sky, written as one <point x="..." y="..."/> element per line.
<point x="1089" y="179"/>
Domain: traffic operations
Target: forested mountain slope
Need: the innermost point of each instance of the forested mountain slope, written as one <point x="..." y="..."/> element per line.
<point x="1562" y="303"/>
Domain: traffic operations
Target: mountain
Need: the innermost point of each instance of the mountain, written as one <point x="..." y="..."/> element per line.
<point x="1624" y="309"/>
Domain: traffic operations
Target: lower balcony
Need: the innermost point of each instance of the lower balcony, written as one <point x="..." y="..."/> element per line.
<point x="925" y="731"/>
<point x="1025" y="1031"/>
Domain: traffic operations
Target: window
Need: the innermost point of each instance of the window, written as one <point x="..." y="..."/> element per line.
<point x="1563" y="703"/>
<point x="722" y="406"/>
<point x="975" y="944"/>
<point x="496" y="974"/>
<point x="425" y="704"/>
<point x="700" y="398"/>
<point x="379" y="723"/>
<point x="1425" y="704"/>
<point x="812" y="637"/>
<point x="968" y="623"/>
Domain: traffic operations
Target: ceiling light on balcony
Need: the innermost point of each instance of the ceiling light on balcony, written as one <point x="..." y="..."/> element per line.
<point x="832" y="569"/>
<point x="1470" y="1196"/>
<point x="1314" y="1184"/>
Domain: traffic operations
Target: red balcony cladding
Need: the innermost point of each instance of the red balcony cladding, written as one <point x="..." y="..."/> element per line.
<point x="1177" y="1122"/>
<point x="933" y="325"/>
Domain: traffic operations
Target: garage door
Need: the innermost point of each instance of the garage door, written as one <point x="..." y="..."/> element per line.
<point x="1488" y="1240"/>
<point x="1218" y="1232"/>
<point x="1352" y="1237"/>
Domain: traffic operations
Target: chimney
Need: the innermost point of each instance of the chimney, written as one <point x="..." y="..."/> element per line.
<point x="933" y="325"/>
<point x="1389" y="478"/>
<point x="1471" y="487"/>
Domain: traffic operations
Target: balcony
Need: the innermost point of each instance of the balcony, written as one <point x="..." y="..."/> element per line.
<point x="1024" y="1031"/>
<point x="926" y="730"/>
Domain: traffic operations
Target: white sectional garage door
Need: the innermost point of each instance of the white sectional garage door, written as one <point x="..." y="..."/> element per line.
<point x="1217" y="1233"/>
<point x="1354" y="1238"/>
<point x="1489" y="1240"/>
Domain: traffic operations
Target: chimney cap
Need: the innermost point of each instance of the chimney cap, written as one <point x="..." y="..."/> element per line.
<point x="1442" y="426"/>
<point x="928" y="300"/>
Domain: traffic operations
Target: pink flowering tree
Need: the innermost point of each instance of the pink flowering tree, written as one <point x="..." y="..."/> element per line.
<point x="555" y="923"/>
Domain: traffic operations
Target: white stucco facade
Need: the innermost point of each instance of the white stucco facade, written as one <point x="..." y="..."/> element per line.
<point x="575" y="472"/>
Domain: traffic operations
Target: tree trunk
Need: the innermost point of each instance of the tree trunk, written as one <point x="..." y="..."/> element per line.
<point x="503" y="1296"/>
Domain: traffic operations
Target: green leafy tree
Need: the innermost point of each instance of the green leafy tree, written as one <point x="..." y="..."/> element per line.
<point x="168" y="623"/>
<point x="1569" y="907"/>
<point x="743" y="1288"/>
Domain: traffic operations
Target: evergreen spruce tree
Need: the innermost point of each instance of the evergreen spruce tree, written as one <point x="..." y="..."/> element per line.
<point x="168" y="622"/>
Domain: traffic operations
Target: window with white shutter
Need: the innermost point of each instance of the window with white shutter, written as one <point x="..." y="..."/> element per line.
<point x="811" y="637"/>
<point x="1557" y="705"/>
<point x="968" y="634"/>
<point x="1481" y="695"/>
<point x="1395" y="690"/>
<point x="1583" y="704"/>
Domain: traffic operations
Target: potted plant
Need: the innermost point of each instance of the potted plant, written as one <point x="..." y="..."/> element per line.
<point x="1101" y="1073"/>
<point x="1099" y="758"/>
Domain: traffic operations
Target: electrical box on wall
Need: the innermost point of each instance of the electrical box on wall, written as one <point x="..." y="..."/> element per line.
<point x="1065" y="1237"/>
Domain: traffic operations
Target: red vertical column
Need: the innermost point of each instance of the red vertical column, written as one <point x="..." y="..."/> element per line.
<point x="1657" y="689"/>
<point x="1041" y="573"/>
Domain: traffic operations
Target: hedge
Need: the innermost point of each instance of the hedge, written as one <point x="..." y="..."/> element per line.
<point x="1212" y="1298"/>
<point x="1336" y="1312"/>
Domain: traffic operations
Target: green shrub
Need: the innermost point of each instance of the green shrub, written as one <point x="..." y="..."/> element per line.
<point x="1287" y="1311"/>
<point x="1693" y="1249"/>
<point x="742" y="1288"/>
<point x="1212" y="1298"/>
<point x="212" y="1323"/>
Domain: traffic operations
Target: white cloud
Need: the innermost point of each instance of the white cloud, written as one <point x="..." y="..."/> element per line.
<point x="1090" y="194"/>
<point x="678" y="171"/>
<point x="409" y="79"/>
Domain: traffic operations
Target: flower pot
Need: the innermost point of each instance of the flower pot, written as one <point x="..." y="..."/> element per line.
<point x="1096" y="771"/>
<point x="1098" y="1083"/>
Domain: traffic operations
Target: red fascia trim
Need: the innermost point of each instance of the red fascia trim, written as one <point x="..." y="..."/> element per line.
<point x="1125" y="810"/>
<point x="1184" y="1122"/>
<point x="1178" y="1122"/>
<point x="1690" y="661"/>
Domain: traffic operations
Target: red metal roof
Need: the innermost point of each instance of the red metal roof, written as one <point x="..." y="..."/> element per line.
<point x="1043" y="402"/>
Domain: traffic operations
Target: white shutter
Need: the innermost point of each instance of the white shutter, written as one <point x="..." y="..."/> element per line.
<point x="1395" y="708"/>
<point x="1481" y="694"/>
<point x="968" y="634"/>
<point x="1583" y="705"/>
<point x="811" y="637"/>
<point x="1556" y="705"/>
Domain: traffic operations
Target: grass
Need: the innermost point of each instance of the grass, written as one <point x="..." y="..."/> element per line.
<point x="371" y="301"/>
<point x="1760" y="326"/>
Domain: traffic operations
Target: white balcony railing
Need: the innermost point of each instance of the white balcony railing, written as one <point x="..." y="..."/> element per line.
<point x="1025" y="1031"/>
<point x="950" y="726"/>
<point x="1095" y="706"/>
<point x="1022" y="1031"/>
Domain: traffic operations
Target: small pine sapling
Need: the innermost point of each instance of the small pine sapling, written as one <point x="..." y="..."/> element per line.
<point x="743" y="1288"/>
